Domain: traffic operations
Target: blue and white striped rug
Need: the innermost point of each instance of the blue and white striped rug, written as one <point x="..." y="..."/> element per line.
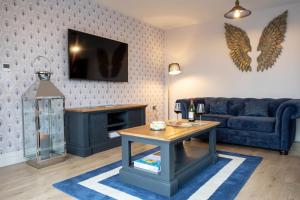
<point x="222" y="180"/>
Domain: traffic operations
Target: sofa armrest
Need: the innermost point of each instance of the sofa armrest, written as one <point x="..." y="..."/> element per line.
<point x="285" y="122"/>
<point x="286" y="128"/>
<point x="295" y="103"/>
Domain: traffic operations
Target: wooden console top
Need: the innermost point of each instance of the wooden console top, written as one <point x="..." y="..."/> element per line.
<point x="105" y="108"/>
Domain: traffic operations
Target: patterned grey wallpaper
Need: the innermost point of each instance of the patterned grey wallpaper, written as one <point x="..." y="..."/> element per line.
<point x="29" y="28"/>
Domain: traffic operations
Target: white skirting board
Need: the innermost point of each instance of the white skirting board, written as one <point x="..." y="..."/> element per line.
<point x="11" y="158"/>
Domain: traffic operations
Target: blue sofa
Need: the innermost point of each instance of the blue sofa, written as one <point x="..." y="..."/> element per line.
<point x="266" y="123"/>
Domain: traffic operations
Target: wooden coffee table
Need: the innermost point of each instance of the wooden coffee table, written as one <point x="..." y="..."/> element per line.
<point x="179" y="160"/>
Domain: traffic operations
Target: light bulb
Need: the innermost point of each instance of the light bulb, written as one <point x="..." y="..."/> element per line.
<point x="174" y="72"/>
<point x="237" y="14"/>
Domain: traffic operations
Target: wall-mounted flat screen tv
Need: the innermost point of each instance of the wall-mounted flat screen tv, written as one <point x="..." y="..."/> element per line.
<point x="96" y="58"/>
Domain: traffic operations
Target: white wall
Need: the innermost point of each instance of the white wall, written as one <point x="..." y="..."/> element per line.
<point x="209" y="71"/>
<point x="31" y="28"/>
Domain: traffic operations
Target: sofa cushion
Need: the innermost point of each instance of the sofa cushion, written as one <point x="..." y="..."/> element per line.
<point x="235" y="106"/>
<point x="256" y="108"/>
<point x="218" y="107"/>
<point x="250" y="123"/>
<point x="198" y="101"/>
<point x="219" y="118"/>
<point x="207" y="102"/>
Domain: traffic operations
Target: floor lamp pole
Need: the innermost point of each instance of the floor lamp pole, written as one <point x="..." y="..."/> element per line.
<point x="174" y="69"/>
<point x="168" y="98"/>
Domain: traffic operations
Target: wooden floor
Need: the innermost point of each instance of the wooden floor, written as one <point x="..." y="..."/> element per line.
<point x="277" y="177"/>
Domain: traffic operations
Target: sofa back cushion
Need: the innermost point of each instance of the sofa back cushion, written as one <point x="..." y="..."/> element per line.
<point x="218" y="107"/>
<point x="236" y="106"/>
<point x="258" y="108"/>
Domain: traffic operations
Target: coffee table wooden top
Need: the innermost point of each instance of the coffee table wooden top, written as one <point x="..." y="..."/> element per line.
<point x="169" y="134"/>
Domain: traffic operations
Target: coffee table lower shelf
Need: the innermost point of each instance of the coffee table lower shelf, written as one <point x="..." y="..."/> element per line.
<point x="180" y="160"/>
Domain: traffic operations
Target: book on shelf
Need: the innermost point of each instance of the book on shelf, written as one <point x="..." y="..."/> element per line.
<point x="113" y="134"/>
<point x="149" y="163"/>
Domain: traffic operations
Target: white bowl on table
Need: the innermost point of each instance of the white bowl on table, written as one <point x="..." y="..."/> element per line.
<point x="158" y="125"/>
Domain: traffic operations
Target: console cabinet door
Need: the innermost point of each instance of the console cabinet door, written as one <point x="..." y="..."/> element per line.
<point x="136" y="117"/>
<point x="77" y="133"/>
<point x="97" y="128"/>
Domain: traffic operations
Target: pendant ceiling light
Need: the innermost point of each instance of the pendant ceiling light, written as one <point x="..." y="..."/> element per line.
<point x="237" y="12"/>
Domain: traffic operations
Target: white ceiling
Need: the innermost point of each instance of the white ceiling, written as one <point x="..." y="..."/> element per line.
<point x="168" y="14"/>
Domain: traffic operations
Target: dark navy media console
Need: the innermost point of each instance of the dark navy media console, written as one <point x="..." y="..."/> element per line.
<point x="93" y="129"/>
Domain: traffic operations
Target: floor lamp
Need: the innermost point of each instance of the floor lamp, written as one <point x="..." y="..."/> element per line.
<point x="174" y="69"/>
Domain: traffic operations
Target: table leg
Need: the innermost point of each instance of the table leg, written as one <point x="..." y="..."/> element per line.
<point x="179" y="145"/>
<point x="212" y="145"/>
<point x="168" y="152"/>
<point x="126" y="152"/>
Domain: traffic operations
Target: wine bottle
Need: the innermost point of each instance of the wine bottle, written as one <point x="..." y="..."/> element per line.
<point x="191" y="114"/>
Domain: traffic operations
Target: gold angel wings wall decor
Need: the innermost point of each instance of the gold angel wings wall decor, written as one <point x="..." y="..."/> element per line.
<point x="239" y="45"/>
<point x="270" y="44"/>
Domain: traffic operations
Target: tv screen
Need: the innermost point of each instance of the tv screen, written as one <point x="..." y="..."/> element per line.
<point x="97" y="58"/>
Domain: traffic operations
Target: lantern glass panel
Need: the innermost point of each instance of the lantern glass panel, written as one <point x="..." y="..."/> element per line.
<point x="44" y="128"/>
<point x="29" y="125"/>
<point x="57" y="126"/>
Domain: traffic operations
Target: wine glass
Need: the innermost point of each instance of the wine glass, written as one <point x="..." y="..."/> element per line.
<point x="177" y="109"/>
<point x="200" y="110"/>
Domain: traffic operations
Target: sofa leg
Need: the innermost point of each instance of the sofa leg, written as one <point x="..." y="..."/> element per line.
<point x="282" y="152"/>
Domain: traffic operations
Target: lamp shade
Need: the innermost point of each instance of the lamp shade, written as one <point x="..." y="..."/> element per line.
<point x="237" y="12"/>
<point x="174" y="69"/>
